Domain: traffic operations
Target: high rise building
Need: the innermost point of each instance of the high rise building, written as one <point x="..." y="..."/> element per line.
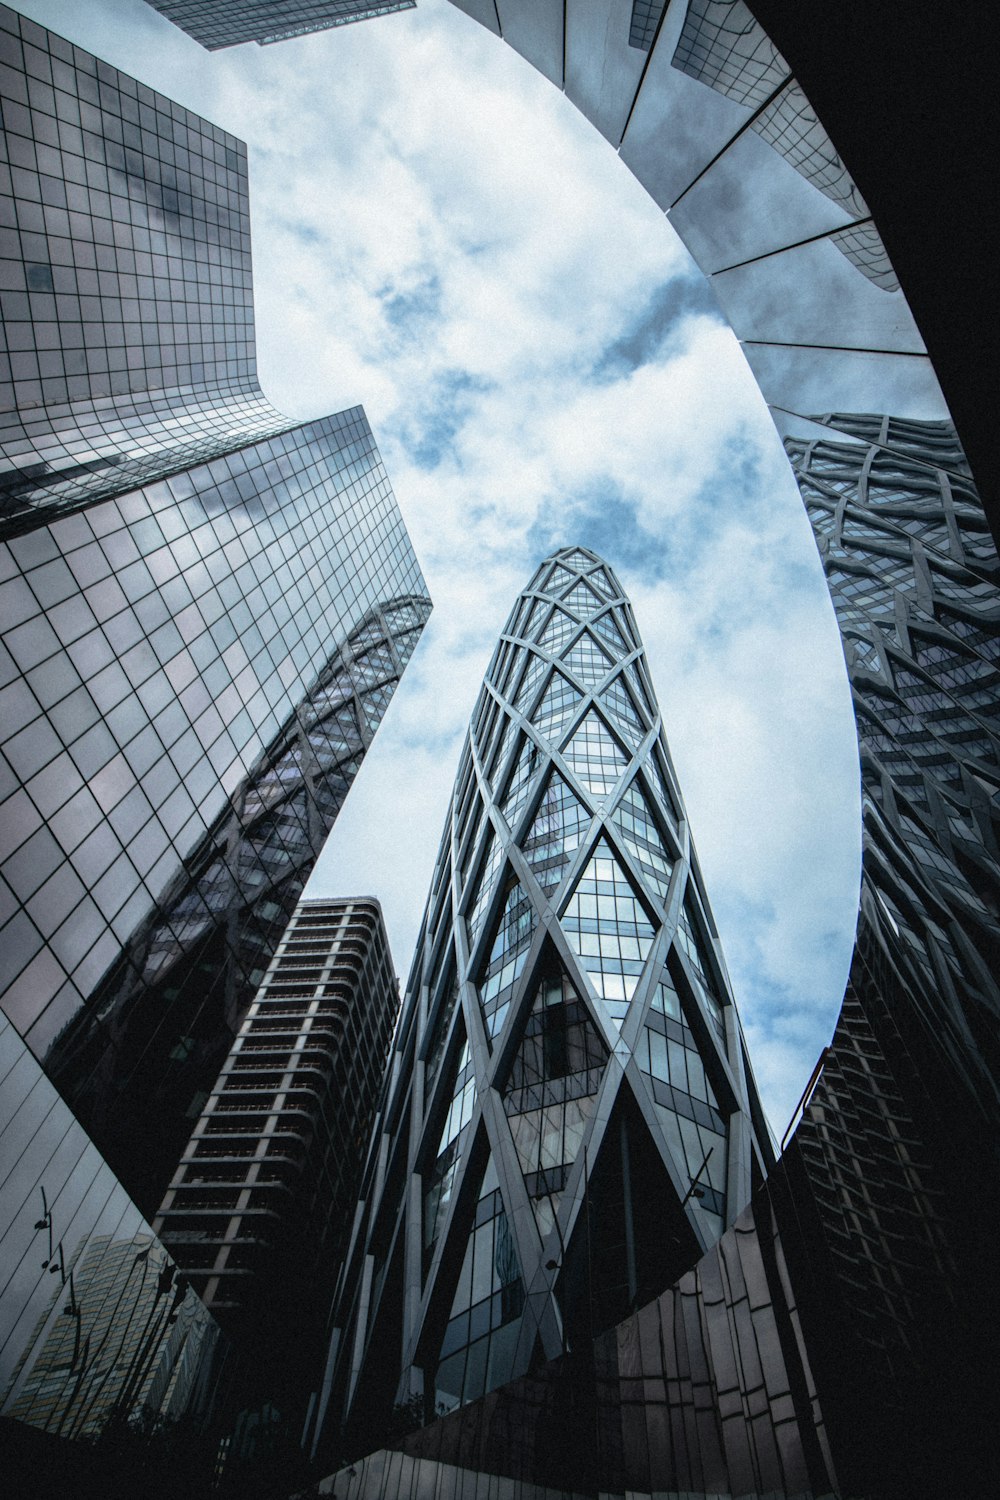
<point x="148" y="1044"/>
<point x="204" y="611"/>
<point x="259" y="1208"/>
<point x="226" y="23"/>
<point x="194" y="664"/>
<point x="838" y="1338"/>
<point x="569" y="1082"/>
<point x="847" y="1315"/>
<point x="126" y="285"/>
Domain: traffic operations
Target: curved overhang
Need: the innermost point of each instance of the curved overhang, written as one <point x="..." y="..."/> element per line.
<point x="908" y="93"/>
<point x="712" y="121"/>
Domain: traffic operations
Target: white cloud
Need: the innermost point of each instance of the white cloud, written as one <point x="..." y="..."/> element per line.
<point x="438" y="234"/>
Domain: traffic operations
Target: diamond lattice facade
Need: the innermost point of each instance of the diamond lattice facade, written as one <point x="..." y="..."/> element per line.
<point x="913" y="574"/>
<point x="569" y="1080"/>
<point x="838" y="1340"/>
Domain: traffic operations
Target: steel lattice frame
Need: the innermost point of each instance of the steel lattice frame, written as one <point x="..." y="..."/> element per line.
<point x="568" y="1009"/>
<point x="912" y="572"/>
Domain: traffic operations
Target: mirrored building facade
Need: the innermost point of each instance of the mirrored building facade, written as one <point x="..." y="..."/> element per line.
<point x="156" y="1028"/>
<point x="125" y="279"/>
<point x="836" y="1340"/>
<point x="193" y="667"/>
<point x="204" y="612"/>
<point x="839" y="1336"/>
<point x="913" y="574"/>
<point x="226" y="23"/>
<point x="703" y="108"/>
<point x="571" y="1117"/>
<point x="96" y="1322"/>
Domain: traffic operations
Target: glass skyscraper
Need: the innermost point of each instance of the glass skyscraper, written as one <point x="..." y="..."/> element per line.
<point x="913" y="570"/>
<point x="226" y="23"/>
<point x="569" y="1082"/>
<point x="126" y="284"/>
<point x="96" y="1323"/>
<point x="194" y="666"/>
<point x="837" y="1340"/>
<point x="838" y="1337"/>
<point x="148" y="1043"/>
<point x="204" y="612"/>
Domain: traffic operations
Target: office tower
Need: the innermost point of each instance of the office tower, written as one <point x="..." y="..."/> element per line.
<point x="205" y="610"/>
<point x="196" y="654"/>
<point x="197" y="958"/>
<point x="838" y="1338"/>
<point x="569" y="1080"/>
<point x="226" y="23"/>
<point x="822" y="336"/>
<point x="912" y="571"/>
<point x="261" y="1203"/>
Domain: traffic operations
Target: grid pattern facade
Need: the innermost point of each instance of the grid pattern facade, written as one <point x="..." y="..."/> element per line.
<point x="722" y="44"/>
<point x="162" y="642"/>
<point x="568" y="1031"/>
<point x="646" y="15"/>
<point x="125" y="283"/>
<point x="194" y="655"/>
<point x="152" y="1035"/>
<point x="260" y="1204"/>
<point x="226" y="23"/>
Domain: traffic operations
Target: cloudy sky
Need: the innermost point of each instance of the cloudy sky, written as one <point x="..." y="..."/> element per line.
<point x="440" y="236"/>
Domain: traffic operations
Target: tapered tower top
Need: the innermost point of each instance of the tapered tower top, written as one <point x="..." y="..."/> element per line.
<point x="571" y="1089"/>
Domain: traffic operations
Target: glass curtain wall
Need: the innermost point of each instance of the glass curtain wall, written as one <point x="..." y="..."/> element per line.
<point x="569" y="1054"/>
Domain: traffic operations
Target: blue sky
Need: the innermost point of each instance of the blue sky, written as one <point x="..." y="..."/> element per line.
<point x="439" y="236"/>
